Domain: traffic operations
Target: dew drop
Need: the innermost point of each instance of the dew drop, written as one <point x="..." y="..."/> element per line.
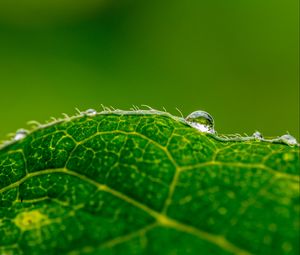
<point x="202" y="121"/>
<point x="90" y="112"/>
<point x="20" y="134"/>
<point x="288" y="139"/>
<point x="257" y="135"/>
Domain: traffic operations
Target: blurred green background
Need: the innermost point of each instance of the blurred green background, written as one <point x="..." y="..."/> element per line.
<point x="238" y="60"/>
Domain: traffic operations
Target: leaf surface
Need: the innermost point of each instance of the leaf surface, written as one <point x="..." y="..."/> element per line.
<point x="146" y="183"/>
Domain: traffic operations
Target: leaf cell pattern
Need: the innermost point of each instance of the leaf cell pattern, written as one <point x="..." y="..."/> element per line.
<point x="146" y="184"/>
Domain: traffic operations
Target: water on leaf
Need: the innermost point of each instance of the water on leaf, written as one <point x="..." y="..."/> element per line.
<point x="257" y="135"/>
<point x="90" y="112"/>
<point x="288" y="139"/>
<point x="20" y="134"/>
<point x="202" y="121"/>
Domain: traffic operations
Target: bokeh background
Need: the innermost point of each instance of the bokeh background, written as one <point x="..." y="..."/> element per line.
<point x="238" y="60"/>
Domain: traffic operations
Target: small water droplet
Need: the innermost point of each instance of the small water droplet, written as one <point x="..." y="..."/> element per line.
<point x="202" y="121"/>
<point x="20" y="134"/>
<point x="257" y="135"/>
<point x="90" y="112"/>
<point x="288" y="139"/>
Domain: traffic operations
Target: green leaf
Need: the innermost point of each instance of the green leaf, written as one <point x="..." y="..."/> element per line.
<point x="146" y="183"/>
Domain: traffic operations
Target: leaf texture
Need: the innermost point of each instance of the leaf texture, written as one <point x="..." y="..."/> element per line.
<point x="146" y="183"/>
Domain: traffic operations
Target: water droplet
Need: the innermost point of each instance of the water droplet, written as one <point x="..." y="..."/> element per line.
<point x="202" y="121"/>
<point x="288" y="139"/>
<point x="257" y="135"/>
<point x="90" y="112"/>
<point x="20" y="134"/>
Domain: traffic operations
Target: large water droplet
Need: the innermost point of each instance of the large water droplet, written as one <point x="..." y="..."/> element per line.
<point x="90" y="112"/>
<point x="257" y="135"/>
<point x="202" y="121"/>
<point x="288" y="139"/>
<point x="20" y="134"/>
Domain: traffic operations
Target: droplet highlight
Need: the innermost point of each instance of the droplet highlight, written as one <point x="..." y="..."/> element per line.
<point x="257" y="135"/>
<point x="90" y="112"/>
<point x="288" y="139"/>
<point x="20" y="134"/>
<point x="202" y="121"/>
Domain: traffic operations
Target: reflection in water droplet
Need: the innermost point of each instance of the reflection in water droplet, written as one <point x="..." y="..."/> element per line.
<point x="20" y="134"/>
<point x="288" y="139"/>
<point x="257" y="135"/>
<point x="202" y="121"/>
<point x="90" y="112"/>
